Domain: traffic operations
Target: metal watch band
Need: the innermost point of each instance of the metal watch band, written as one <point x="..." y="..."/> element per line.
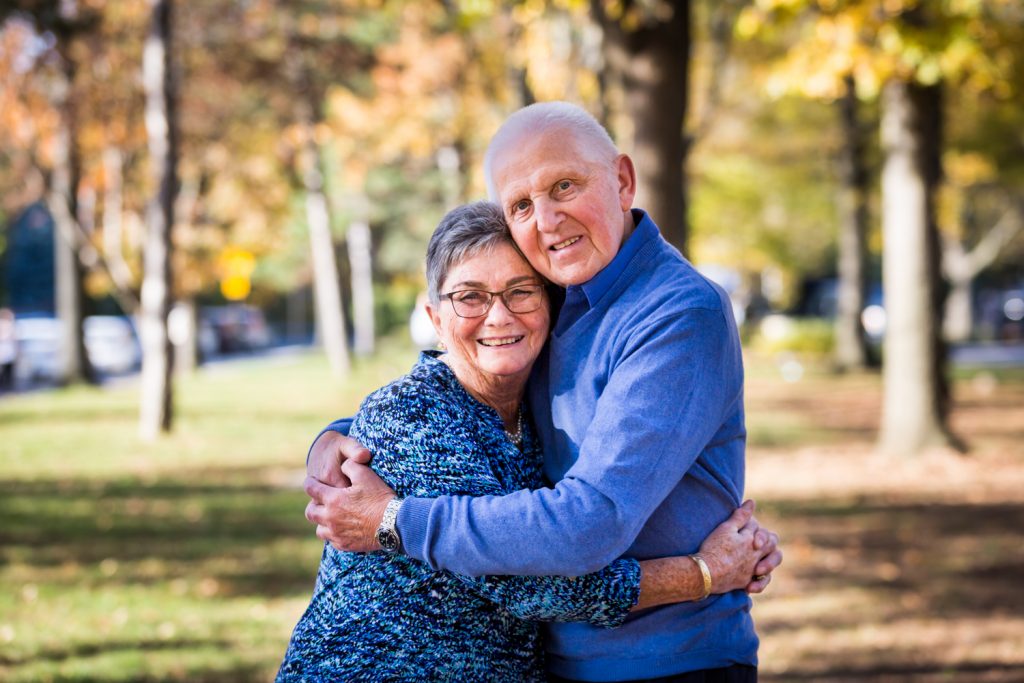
<point x="387" y="532"/>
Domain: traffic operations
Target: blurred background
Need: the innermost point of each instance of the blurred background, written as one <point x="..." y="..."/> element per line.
<point x="213" y="217"/>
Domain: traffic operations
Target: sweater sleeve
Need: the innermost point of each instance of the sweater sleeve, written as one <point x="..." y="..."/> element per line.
<point x="664" y="401"/>
<point x="603" y="598"/>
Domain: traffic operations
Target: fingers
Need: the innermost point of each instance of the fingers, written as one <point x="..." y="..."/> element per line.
<point x="758" y="585"/>
<point x="350" y="449"/>
<point x="358" y="473"/>
<point x="768" y="563"/>
<point x="316" y="489"/>
<point x="740" y="516"/>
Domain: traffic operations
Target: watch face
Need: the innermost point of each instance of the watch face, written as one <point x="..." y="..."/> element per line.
<point x="388" y="540"/>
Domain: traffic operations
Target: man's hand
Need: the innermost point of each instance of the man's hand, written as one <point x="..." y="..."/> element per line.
<point x="348" y="517"/>
<point x="328" y="452"/>
<point x="740" y="553"/>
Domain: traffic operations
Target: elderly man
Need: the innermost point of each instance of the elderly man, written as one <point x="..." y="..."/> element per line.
<point x="639" y="404"/>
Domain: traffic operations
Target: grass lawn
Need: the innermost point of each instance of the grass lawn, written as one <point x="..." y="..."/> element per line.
<point x="190" y="560"/>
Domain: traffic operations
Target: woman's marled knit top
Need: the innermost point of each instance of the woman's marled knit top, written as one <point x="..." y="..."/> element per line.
<point x="381" y="617"/>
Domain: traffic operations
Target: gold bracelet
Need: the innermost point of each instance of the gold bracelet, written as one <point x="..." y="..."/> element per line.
<point x="705" y="574"/>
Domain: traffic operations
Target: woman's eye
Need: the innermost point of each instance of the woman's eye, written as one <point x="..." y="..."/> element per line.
<point x="471" y="297"/>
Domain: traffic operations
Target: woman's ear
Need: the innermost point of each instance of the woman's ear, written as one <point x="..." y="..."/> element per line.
<point x="434" y="312"/>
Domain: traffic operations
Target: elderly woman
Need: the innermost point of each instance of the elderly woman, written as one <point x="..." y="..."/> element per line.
<point x="456" y="424"/>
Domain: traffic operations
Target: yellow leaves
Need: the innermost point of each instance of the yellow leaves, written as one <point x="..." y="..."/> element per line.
<point x="967" y="168"/>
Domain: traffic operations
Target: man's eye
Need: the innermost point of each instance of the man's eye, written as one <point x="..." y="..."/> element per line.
<point x="520" y="206"/>
<point x="564" y="185"/>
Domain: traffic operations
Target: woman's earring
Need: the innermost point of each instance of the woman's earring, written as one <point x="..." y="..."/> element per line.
<point x="441" y="346"/>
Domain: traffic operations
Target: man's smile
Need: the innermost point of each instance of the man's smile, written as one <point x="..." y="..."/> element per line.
<point x="564" y="244"/>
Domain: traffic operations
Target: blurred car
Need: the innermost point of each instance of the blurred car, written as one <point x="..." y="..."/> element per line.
<point x="112" y="344"/>
<point x="237" y="327"/>
<point x="39" y="340"/>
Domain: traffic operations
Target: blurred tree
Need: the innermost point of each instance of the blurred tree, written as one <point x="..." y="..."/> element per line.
<point x="66" y="23"/>
<point x="647" y="48"/>
<point x="851" y="352"/>
<point x="907" y="50"/>
<point x="156" y="408"/>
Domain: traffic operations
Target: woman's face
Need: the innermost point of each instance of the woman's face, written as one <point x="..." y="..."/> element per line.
<point x="500" y="344"/>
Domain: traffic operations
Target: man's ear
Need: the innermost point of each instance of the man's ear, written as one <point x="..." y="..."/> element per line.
<point x="626" y="176"/>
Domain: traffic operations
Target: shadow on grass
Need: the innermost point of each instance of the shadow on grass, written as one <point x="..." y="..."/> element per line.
<point x="244" y="535"/>
<point x="949" y="560"/>
<point x="94" y="649"/>
<point x="989" y="671"/>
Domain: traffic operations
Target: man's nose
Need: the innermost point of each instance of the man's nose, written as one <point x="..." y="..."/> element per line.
<point x="549" y="216"/>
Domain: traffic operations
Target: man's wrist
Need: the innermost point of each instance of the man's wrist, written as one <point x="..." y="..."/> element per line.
<point x="387" y="533"/>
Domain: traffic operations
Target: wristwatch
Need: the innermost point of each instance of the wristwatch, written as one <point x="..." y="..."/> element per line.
<point x="387" y="532"/>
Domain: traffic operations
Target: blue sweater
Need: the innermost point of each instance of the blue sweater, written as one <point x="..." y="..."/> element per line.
<point x="381" y="617"/>
<point x="639" y="405"/>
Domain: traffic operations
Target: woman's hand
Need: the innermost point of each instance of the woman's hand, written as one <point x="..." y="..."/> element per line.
<point x="740" y="554"/>
<point x="734" y="551"/>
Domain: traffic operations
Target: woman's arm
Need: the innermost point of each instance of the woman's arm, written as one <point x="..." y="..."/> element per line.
<point x="604" y="598"/>
<point x="730" y="553"/>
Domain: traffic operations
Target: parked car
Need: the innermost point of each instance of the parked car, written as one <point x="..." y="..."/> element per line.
<point x="238" y="327"/>
<point x="112" y="344"/>
<point x="39" y="349"/>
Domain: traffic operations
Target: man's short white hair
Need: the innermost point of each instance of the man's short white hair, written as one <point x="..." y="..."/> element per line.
<point x="537" y="119"/>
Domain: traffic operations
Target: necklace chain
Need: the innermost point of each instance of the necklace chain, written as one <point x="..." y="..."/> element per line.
<point x="516" y="437"/>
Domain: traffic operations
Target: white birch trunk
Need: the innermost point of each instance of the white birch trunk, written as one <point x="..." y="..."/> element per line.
<point x="68" y="272"/>
<point x="156" y="380"/>
<point x="330" y="314"/>
<point x="360" y="259"/>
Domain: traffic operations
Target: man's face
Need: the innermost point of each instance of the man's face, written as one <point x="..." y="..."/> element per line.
<point x="568" y="210"/>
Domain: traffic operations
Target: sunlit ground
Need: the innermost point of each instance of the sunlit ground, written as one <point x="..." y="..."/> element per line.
<point x="191" y="560"/>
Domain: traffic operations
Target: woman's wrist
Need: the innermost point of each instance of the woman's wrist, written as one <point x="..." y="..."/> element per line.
<point x="668" y="580"/>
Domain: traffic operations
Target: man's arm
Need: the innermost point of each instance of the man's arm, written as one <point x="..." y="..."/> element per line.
<point x="663" y="403"/>
<point x="668" y="395"/>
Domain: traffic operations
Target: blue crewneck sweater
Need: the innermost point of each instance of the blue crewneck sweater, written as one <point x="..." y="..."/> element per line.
<point x="638" y="400"/>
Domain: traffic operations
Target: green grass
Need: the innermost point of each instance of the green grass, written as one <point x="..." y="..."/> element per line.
<point x="190" y="560"/>
<point x="186" y="559"/>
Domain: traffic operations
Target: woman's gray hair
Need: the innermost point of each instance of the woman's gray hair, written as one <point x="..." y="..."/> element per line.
<point x="464" y="231"/>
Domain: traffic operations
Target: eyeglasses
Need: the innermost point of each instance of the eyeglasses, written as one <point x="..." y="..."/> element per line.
<point x="473" y="303"/>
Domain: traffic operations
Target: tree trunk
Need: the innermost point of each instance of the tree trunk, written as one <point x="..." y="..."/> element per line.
<point x="156" y="381"/>
<point x="113" y="219"/>
<point x="851" y="347"/>
<point x="961" y="266"/>
<point x="63" y="206"/>
<point x="360" y="259"/>
<point x="330" y="312"/>
<point x="653" y="59"/>
<point x="914" y="395"/>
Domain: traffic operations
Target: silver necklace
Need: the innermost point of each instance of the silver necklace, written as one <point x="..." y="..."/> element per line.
<point x="516" y="437"/>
